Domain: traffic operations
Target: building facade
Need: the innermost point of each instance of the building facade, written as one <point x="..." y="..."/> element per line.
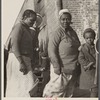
<point x="84" y="14"/>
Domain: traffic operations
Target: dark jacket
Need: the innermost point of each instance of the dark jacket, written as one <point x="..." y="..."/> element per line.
<point x="87" y="55"/>
<point x="22" y="40"/>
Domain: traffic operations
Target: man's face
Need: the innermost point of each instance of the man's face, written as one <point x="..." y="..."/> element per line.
<point x="30" y="20"/>
<point x="65" y="20"/>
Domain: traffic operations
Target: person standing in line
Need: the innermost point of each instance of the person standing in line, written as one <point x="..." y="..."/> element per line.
<point x="63" y="53"/>
<point x="20" y="77"/>
<point x="87" y="59"/>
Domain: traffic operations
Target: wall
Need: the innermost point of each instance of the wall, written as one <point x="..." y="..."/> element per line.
<point x="28" y="4"/>
<point x="9" y="12"/>
<point x="84" y="13"/>
<point x="48" y="10"/>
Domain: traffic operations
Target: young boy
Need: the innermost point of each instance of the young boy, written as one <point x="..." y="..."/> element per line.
<point x="87" y="59"/>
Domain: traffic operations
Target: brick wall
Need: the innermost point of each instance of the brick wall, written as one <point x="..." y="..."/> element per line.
<point x="84" y="13"/>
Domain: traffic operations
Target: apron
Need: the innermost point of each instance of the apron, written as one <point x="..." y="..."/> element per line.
<point x="19" y="85"/>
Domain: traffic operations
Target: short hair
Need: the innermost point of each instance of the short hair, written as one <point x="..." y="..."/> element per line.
<point x="89" y="30"/>
<point x="27" y="13"/>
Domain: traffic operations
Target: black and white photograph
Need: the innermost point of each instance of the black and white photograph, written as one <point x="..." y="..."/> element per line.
<point x="50" y="49"/>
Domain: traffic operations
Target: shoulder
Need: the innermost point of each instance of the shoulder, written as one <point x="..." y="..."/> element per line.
<point x="17" y="26"/>
<point x="16" y="30"/>
<point x="84" y="46"/>
<point x="58" y="32"/>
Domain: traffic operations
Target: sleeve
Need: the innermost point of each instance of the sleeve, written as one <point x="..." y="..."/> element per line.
<point x="53" y="45"/>
<point x="81" y="58"/>
<point x="76" y="36"/>
<point x="15" y="40"/>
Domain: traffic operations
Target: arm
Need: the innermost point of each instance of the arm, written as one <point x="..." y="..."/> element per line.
<point x="15" y="41"/>
<point x="53" y="46"/>
<point x="83" y="61"/>
<point x="15" y="45"/>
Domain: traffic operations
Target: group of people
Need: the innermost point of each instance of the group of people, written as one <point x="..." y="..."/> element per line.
<point x="71" y="68"/>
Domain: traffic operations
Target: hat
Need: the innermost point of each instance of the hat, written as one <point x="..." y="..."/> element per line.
<point x="63" y="11"/>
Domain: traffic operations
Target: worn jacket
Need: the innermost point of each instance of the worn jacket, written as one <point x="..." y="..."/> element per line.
<point x="87" y="77"/>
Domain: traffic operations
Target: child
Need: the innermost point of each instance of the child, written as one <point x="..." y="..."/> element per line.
<point x="87" y="59"/>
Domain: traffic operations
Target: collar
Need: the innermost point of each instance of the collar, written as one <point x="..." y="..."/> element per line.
<point x="91" y="46"/>
<point x="62" y="28"/>
<point x="66" y="29"/>
<point x="23" y="23"/>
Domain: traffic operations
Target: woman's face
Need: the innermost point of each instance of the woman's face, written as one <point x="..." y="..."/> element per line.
<point x="65" y="20"/>
<point x="30" y="20"/>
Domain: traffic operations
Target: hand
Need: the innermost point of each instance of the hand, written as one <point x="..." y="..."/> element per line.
<point x="23" y="68"/>
<point x="89" y="66"/>
<point x="91" y="63"/>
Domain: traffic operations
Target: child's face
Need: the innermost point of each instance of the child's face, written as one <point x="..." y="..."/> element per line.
<point x="89" y="38"/>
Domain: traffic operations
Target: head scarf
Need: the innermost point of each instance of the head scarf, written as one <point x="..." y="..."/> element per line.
<point x="62" y="11"/>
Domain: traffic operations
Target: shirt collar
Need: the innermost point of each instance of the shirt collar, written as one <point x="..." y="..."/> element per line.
<point x="62" y="28"/>
<point x="91" y="46"/>
<point x="24" y="24"/>
<point x="66" y="29"/>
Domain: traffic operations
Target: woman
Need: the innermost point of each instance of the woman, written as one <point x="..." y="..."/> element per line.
<point x="63" y="52"/>
<point x="20" y="77"/>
